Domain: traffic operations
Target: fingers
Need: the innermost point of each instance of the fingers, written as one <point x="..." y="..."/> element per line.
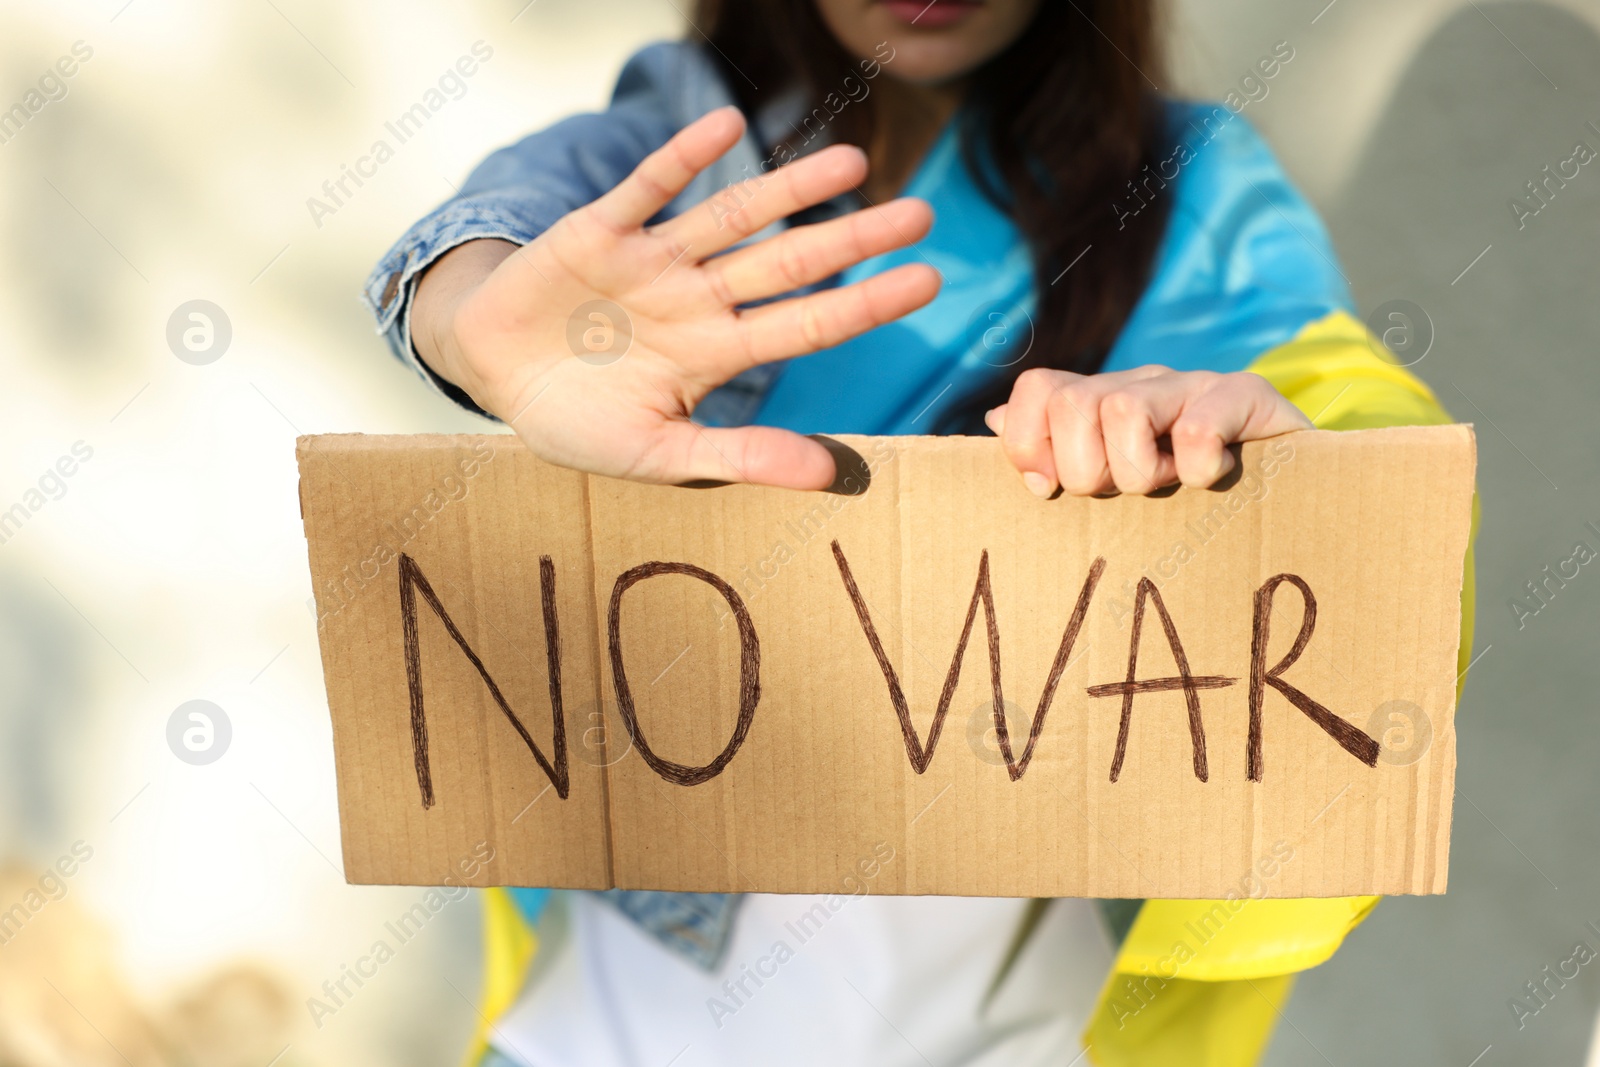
<point x="665" y="172"/>
<point x="1052" y="429"/>
<point x="1238" y="407"/>
<point x="1133" y="419"/>
<point x="808" y="254"/>
<point x="759" y="455"/>
<point x="1092" y="434"/>
<point x="805" y="324"/>
<point x="1024" y="428"/>
<point x="740" y="210"/>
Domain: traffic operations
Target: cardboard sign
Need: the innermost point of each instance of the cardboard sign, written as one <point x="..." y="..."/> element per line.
<point x="1247" y="689"/>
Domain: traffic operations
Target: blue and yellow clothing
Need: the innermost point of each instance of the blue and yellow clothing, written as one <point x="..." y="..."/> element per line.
<point x="1245" y="278"/>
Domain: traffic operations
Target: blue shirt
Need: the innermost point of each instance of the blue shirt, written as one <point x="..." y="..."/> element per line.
<point x="1244" y="264"/>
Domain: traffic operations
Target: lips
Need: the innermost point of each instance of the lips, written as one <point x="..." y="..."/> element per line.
<point x="934" y="15"/>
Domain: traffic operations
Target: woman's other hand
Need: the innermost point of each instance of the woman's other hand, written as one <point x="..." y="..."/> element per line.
<point x="500" y="320"/>
<point x="1097" y="433"/>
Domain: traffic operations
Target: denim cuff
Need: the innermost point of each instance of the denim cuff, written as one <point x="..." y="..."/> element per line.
<point x="696" y="926"/>
<point x="517" y="217"/>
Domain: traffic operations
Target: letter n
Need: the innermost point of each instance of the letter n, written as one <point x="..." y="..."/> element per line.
<point x="1351" y="738"/>
<point x="412" y="580"/>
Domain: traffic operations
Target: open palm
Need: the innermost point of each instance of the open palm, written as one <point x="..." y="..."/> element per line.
<point x="596" y="341"/>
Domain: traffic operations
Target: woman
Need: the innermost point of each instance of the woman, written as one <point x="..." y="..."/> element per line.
<point x="1129" y="285"/>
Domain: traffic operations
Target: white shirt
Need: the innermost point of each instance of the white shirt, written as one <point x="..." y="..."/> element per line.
<point x="881" y="981"/>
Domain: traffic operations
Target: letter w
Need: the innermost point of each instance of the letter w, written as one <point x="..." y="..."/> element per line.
<point x="921" y="755"/>
<point x="411" y="580"/>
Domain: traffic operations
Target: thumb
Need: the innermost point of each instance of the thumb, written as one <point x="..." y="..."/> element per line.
<point x="757" y="455"/>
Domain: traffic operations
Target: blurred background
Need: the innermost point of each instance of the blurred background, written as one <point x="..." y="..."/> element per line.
<point x="187" y="910"/>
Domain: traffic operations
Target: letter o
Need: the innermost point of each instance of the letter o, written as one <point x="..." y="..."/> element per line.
<point x="749" y="672"/>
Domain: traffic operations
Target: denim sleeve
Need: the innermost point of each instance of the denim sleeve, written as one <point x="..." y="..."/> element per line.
<point x="520" y="191"/>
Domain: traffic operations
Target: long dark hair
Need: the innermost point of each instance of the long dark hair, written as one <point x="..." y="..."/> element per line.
<point x="1069" y="117"/>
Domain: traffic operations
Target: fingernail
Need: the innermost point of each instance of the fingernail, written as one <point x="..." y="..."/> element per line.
<point x="995" y="419"/>
<point x="1224" y="466"/>
<point x="1037" y="484"/>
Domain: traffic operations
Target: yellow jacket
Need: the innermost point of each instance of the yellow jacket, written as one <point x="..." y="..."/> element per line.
<point x="1222" y="1010"/>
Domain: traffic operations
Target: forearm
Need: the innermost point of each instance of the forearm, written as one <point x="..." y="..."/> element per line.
<point x="438" y="294"/>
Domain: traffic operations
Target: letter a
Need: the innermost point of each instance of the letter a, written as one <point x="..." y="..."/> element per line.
<point x="1132" y="686"/>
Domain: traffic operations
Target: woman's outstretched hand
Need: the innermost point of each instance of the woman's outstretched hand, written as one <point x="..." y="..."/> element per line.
<point x="1102" y="432"/>
<point x="597" y="340"/>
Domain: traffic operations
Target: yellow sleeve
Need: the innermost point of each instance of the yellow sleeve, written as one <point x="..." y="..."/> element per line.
<point x="509" y="943"/>
<point x="1221" y="1008"/>
<point x="1332" y="371"/>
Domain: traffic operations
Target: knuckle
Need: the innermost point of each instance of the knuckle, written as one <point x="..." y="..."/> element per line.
<point x="1028" y="454"/>
<point x="1077" y="399"/>
<point x="1024" y="438"/>
<point x="791" y="176"/>
<point x="1058" y="414"/>
<point x="1250" y="381"/>
<point x="717" y="279"/>
<point x="672" y="253"/>
<point x="1119" y="404"/>
<point x="1191" y="432"/>
<point x="1036" y="378"/>
<point x="676" y="155"/>
<point x="812" y="326"/>
<point x="741" y="220"/>
<point x="1025" y="442"/>
<point x="867" y="314"/>
<point x="1064" y="402"/>
<point x="650" y="182"/>
<point x="748" y="452"/>
<point x="792" y="263"/>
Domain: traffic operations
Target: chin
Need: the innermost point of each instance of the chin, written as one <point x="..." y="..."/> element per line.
<point x="929" y="61"/>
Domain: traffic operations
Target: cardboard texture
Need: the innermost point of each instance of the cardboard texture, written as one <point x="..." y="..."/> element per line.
<point x="754" y="687"/>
